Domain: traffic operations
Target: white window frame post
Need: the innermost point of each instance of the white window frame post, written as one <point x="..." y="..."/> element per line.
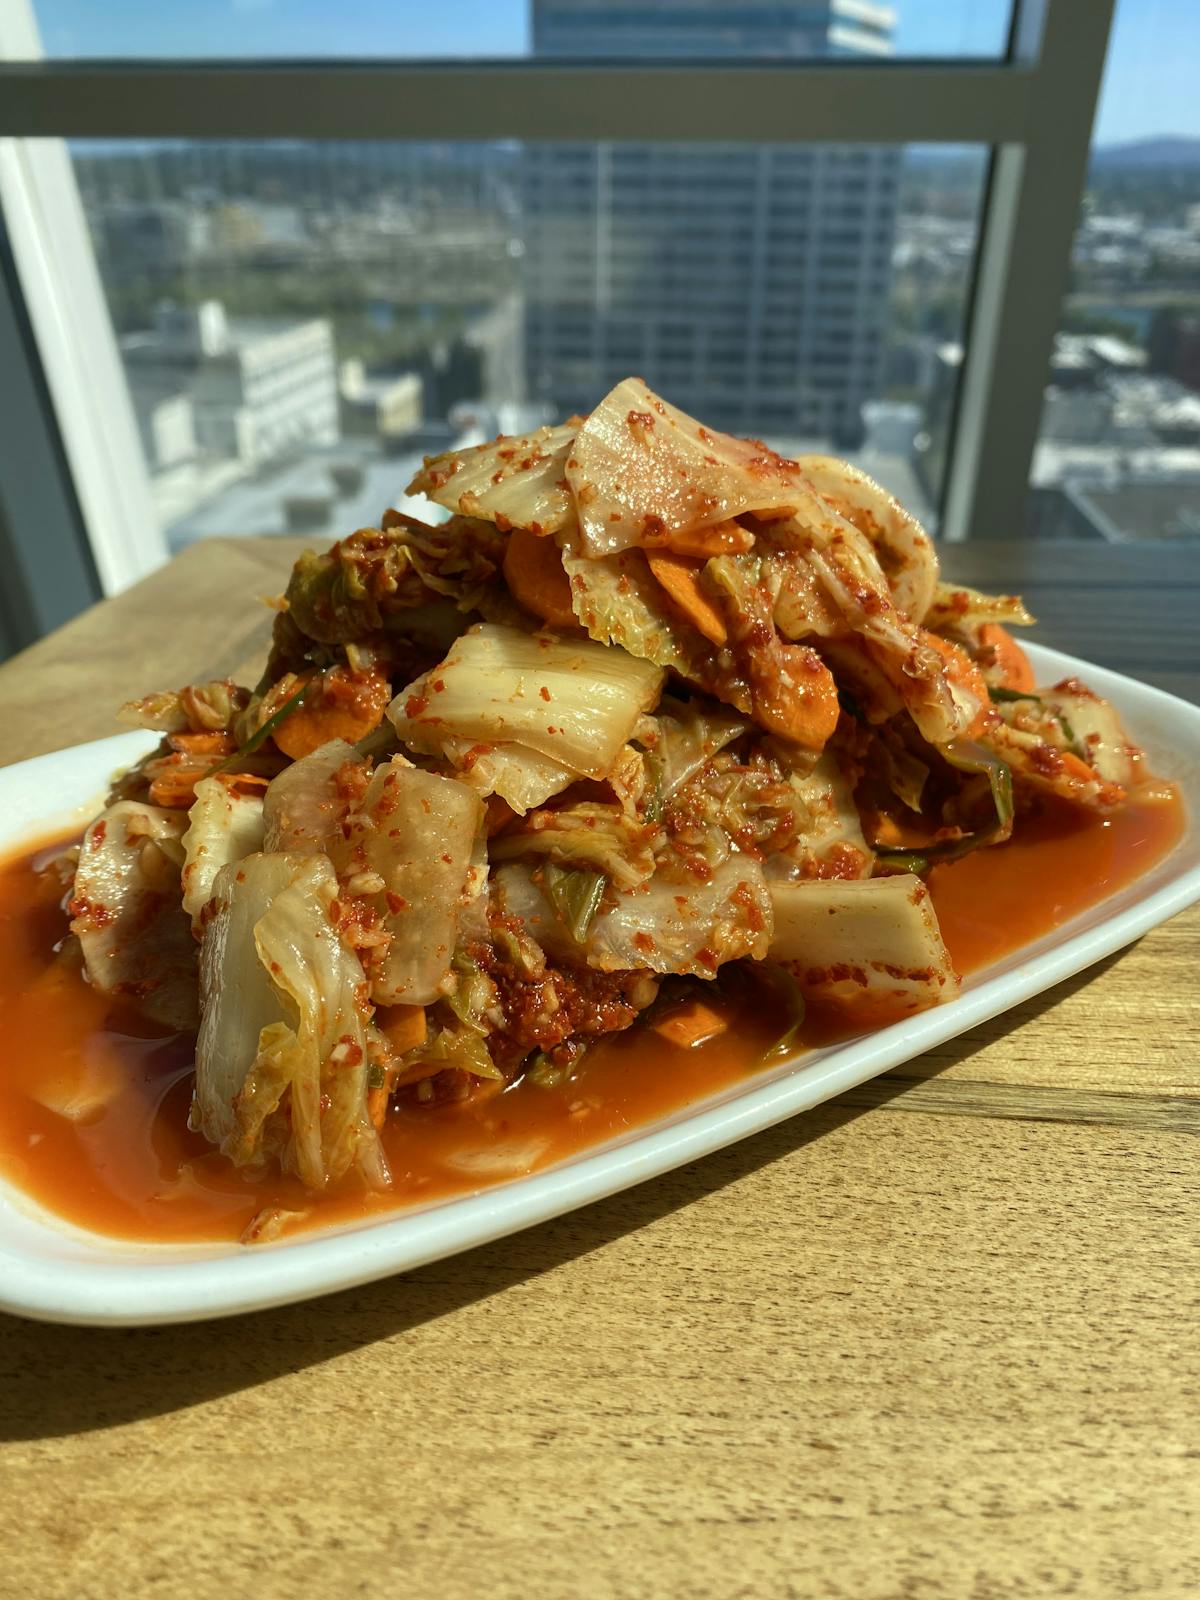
<point x="66" y="308"/>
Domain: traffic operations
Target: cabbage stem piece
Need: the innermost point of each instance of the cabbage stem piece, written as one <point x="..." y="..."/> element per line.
<point x="955" y="606"/>
<point x="126" y="913"/>
<point x="418" y="831"/>
<point x="869" y="946"/>
<point x="618" y="601"/>
<point x="569" y="699"/>
<point x="301" y="808"/>
<point x="223" y="826"/>
<point x="522" y="777"/>
<point x="641" y="471"/>
<point x="1096" y="730"/>
<point x="515" y="482"/>
<point x="281" y="1063"/>
<point x="663" y="926"/>
<point x="904" y="549"/>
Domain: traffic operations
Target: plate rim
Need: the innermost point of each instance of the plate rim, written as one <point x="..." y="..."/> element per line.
<point x="95" y="1280"/>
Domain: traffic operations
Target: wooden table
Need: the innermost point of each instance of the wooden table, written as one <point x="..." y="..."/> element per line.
<point x="938" y="1338"/>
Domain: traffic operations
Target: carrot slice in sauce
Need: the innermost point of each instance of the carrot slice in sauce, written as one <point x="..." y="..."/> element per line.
<point x="802" y="704"/>
<point x="347" y="705"/>
<point x="1002" y="651"/>
<point x="719" y="539"/>
<point x="691" y="1024"/>
<point x="680" y="577"/>
<point x="534" y="573"/>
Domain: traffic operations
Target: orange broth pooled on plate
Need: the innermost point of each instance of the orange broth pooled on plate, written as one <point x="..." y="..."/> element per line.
<point x="94" y="1101"/>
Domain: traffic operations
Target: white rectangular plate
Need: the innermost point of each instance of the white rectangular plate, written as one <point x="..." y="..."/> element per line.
<point x="52" y="1270"/>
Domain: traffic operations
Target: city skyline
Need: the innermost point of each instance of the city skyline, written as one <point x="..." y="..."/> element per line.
<point x="1148" y="89"/>
<point x="772" y="321"/>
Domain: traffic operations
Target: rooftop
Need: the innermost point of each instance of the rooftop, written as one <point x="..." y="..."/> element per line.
<point x="1143" y="510"/>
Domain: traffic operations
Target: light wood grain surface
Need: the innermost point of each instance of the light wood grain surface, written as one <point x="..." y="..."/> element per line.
<point x="939" y="1338"/>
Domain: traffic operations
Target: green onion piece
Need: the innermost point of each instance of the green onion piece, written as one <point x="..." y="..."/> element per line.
<point x="919" y="861"/>
<point x="916" y="861"/>
<point x="1074" y="743"/>
<point x="998" y="692"/>
<point x="375" y="1077"/>
<point x="575" y="895"/>
<point x="261" y="735"/>
<point x="1000" y="779"/>
<point x="968" y="756"/>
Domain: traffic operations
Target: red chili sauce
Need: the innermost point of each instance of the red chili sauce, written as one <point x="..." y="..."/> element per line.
<point x="94" y="1101"/>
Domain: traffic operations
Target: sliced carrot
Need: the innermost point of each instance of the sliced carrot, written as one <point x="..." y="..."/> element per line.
<point x="347" y="705"/>
<point x="402" y="1026"/>
<point x="719" y="539"/>
<point x="802" y="703"/>
<point x="203" y="744"/>
<point x="691" y="1024"/>
<point x="1004" y="653"/>
<point x="173" y="780"/>
<point x="534" y="573"/>
<point x="680" y="577"/>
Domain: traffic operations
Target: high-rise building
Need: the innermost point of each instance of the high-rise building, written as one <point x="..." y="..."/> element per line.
<point x="749" y="283"/>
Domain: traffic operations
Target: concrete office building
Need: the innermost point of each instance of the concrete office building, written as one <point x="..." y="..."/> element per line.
<point x="258" y="388"/>
<point x="268" y="389"/>
<point x="748" y="283"/>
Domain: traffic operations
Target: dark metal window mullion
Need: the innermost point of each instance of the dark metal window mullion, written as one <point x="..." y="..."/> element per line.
<point x="1034" y="194"/>
<point x="48" y="572"/>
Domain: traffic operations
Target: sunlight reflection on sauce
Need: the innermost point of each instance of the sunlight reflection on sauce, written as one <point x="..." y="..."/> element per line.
<point x="93" y="1102"/>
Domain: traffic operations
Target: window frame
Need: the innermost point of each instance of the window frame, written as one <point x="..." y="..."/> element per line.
<point x="1034" y="110"/>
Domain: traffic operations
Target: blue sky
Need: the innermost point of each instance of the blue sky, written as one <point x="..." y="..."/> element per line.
<point x="1150" y="86"/>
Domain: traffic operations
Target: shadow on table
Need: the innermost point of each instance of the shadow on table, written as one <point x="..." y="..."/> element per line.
<point x="62" y="1380"/>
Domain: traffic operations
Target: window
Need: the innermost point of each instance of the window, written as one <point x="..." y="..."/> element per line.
<point x="299" y="324"/>
<point x="239" y="333"/>
<point x="365" y="29"/>
<point x="1118" y="453"/>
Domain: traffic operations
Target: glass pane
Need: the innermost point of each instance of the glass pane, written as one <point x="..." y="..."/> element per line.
<point x="1119" y="452"/>
<point x="300" y="323"/>
<point x="379" y="29"/>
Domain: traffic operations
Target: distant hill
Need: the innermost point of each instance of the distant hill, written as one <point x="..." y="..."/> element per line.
<point x="1164" y="151"/>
